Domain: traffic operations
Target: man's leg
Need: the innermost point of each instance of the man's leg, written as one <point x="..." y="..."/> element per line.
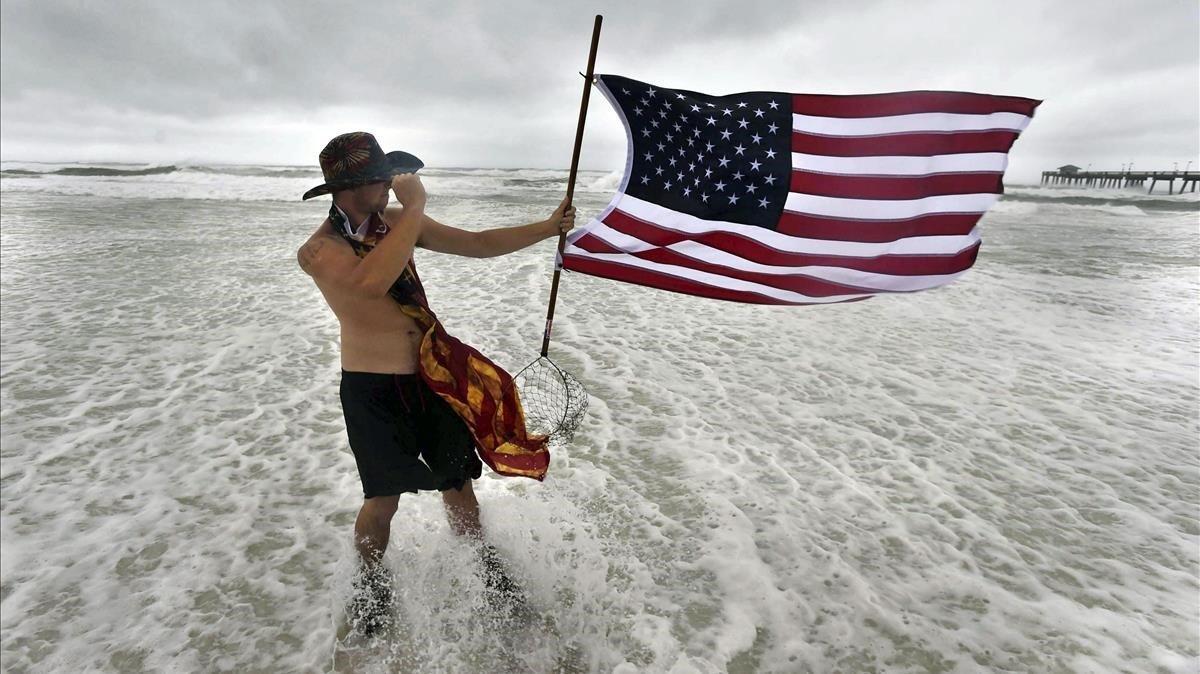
<point x="462" y="509"/>
<point x="373" y="526"/>
<point x="372" y="585"/>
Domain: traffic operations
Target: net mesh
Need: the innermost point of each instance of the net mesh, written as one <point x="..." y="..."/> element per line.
<point x="554" y="401"/>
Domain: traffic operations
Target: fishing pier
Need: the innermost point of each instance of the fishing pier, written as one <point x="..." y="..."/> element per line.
<point x="1072" y="175"/>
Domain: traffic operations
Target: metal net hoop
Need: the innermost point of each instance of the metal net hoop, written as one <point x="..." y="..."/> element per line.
<point x="554" y="402"/>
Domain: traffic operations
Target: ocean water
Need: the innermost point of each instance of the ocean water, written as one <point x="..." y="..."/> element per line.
<point x="1000" y="475"/>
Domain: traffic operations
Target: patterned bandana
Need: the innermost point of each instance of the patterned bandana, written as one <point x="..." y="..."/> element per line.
<point x="478" y="390"/>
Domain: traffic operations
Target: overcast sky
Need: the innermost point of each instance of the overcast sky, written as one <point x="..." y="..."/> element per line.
<point x="495" y="84"/>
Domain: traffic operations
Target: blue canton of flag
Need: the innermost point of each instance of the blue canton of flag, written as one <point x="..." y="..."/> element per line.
<point x="714" y="157"/>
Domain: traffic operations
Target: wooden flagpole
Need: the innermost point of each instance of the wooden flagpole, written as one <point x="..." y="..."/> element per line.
<point x="562" y="238"/>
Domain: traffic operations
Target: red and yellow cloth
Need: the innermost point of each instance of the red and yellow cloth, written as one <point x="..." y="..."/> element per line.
<point x="478" y="390"/>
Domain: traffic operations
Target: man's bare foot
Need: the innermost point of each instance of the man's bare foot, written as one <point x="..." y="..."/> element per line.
<point x="371" y="600"/>
<point x="502" y="593"/>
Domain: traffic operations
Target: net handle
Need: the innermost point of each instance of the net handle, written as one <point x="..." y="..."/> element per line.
<point x="562" y="237"/>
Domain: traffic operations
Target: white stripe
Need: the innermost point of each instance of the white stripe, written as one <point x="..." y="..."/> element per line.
<point x="713" y="280"/>
<point x="841" y="275"/>
<point x="978" y="162"/>
<point x="691" y="225"/>
<point x="923" y="121"/>
<point x="894" y="209"/>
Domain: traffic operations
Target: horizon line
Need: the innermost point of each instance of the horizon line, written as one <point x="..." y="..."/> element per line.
<point x="314" y="166"/>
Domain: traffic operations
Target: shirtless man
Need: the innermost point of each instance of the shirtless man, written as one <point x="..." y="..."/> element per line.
<point x="397" y="448"/>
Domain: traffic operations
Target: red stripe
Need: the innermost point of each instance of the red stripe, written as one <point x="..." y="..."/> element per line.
<point x="799" y="282"/>
<point x="875" y="231"/>
<point x="757" y="251"/>
<point x="904" y="144"/>
<point x="645" y="277"/>
<point x="908" y="103"/>
<point x="895" y="187"/>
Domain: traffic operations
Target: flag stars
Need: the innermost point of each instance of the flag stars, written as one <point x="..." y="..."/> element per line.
<point x="695" y="128"/>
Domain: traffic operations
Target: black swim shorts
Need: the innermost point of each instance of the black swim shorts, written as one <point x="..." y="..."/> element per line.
<point x="404" y="436"/>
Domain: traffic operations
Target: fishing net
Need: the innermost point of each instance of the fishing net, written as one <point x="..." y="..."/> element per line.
<point x="554" y="401"/>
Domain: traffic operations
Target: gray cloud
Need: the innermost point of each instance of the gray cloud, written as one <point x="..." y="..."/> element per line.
<point x="495" y="84"/>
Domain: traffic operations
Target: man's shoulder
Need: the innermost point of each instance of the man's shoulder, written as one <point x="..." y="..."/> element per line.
<point x="320" y="250"/>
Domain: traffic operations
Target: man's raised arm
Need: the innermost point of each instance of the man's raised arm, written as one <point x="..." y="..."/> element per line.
<point x="329" y="259"/>
<point x="383" y="265"/>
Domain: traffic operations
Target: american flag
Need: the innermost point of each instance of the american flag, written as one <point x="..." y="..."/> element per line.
<point x="776" y="198"/>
